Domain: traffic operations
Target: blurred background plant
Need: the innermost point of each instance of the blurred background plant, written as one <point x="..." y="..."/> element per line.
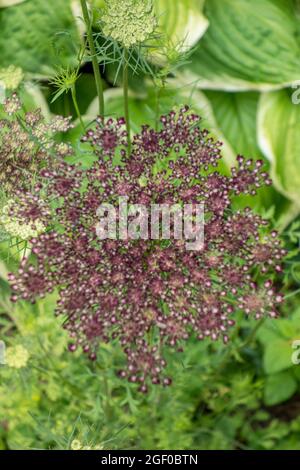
<point x="236" y="63"/>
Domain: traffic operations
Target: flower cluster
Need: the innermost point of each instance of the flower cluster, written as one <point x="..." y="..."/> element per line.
<point x="11" y="77"/>
<point x="27" y="144"/>
<point x="16" y="356"/>
<point x="25" y="228"/>
<point x="76" y="444"/>
<point x="130" y="22"/>
<point x="151" y="295"/>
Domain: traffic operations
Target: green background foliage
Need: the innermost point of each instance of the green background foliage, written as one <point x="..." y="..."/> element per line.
<point x="235" y="62"/>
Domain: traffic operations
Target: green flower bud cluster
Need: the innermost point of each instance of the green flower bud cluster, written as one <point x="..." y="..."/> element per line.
<point x="130" y="22"/>
<point x="76" y="444"/>
<point x="11" y="77"/>
<point x="16" y="357"/>
<point x="16" y="227"/>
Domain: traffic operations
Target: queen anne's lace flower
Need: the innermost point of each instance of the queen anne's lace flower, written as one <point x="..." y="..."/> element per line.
<point x="151" y="295"/>
<point x="129" y="22"/>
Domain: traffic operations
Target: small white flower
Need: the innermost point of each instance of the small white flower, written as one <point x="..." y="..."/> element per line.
<point x="76" y="444"/>
<point x="16" y="357"/>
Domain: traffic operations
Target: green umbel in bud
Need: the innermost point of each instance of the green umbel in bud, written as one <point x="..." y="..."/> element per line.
<point x="11" y="77"/>
<point x="130" y="22"/>
<point x="16" y="357"/>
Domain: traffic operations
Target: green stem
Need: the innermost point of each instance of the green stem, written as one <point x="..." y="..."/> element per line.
<point x="291" y="294"/>
<point x="75" y="102"/>
<point x="107" y="407"/>
<point x="126" y="101"/>
<point x="98" y="80"/>
<point x="157" y="96"/>
<point x="66" y="106"/>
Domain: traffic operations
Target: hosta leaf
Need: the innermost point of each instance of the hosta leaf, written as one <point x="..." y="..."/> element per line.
<point x="235" y="114"/>
<point x="3" y="271"/>
<point x="279" y="138"/>
<point x="38" y="36"/>
<point x="249" y="45"/>
<point x="182" y="21"/>
<point x="279" y="387"/>
<point x="283" y="330"/>
<point x="33" y="98"/>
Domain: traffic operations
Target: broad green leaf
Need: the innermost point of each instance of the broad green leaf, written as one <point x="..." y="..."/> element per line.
<point x="282" y="329"/>
<point x="235" y="115"/>
<point x="290" y="212"/>
<point x="9" y="3"/>
<point x="38" y="36"/>
<point x="269" y="332"/>
<point x="288" y="328"/>
<point x="279" y="139"/>
<point x="279" y="388"/>
<point x="249" y="45"/>
<point x="3" y="271"/>
<point x="278" y="356"/>
<point x="181" y="21"/>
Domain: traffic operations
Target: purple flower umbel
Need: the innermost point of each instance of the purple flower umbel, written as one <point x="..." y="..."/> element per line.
<point x="151" y="294"/>
<point x="28" y="144"/>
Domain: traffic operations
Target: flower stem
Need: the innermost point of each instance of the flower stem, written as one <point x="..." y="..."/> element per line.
<point x="98" y="80"/>
<point x="157" y="96"/>
<point x="291" y="294"/>
<point x="126" y="102"/>
<point x="75" y="102"/>
<point x="252" y="335"/>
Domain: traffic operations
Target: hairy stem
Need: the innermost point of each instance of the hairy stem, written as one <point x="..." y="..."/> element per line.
<point x="66" y="105"/>
<point x="291" y="294"/>
<point x="98" y="80"/>
<point x="126" y="102"/>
